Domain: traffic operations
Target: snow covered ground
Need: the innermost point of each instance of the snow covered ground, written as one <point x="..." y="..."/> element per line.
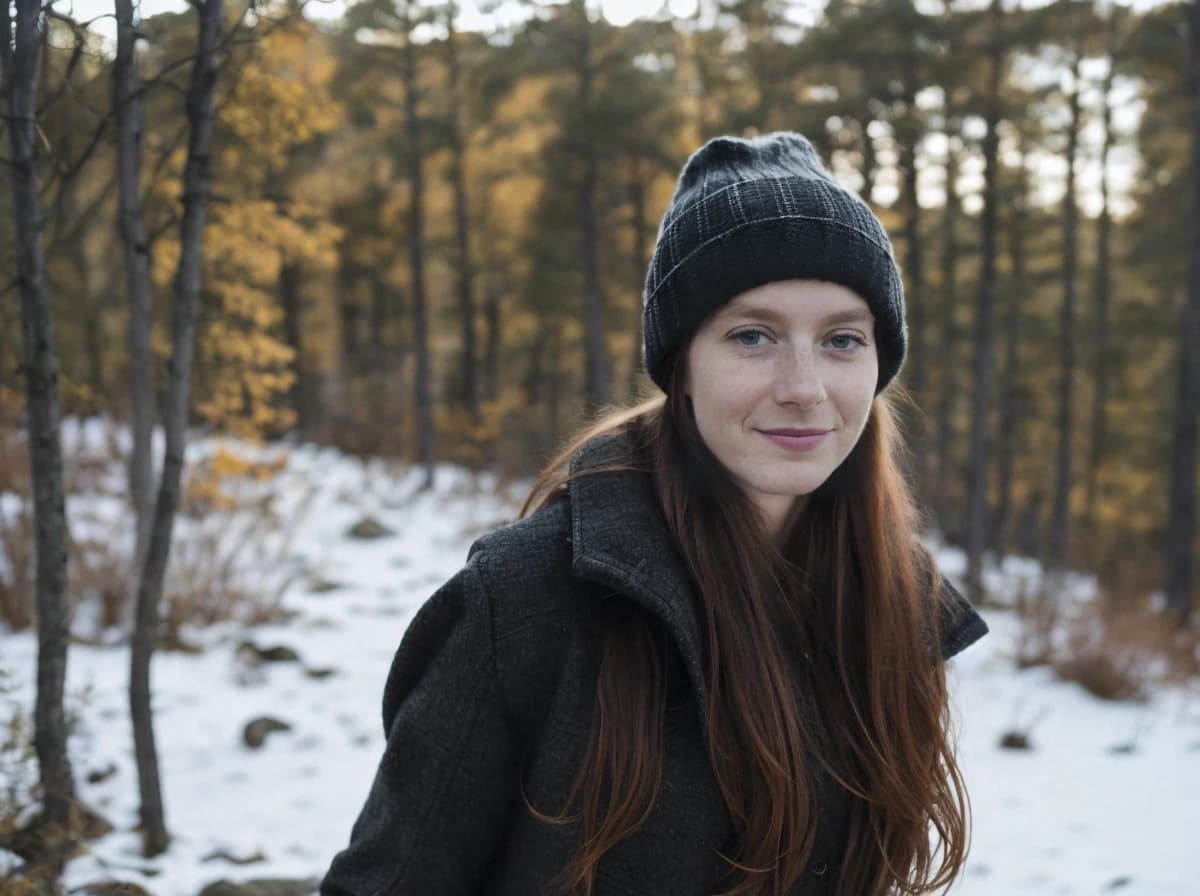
<point x="1107" y="799"/>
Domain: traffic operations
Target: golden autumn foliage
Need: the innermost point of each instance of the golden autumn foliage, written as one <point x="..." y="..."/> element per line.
<point x="280" y="106"/>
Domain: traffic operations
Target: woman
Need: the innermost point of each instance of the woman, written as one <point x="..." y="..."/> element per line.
<point x="708" y="660"/>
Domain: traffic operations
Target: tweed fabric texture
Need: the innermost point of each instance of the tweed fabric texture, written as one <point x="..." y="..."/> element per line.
<point x="488" y="706"/>
<point x="750" y="212"/>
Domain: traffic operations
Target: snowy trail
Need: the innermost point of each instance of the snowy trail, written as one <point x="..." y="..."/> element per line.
<point x="1069" y="816"/>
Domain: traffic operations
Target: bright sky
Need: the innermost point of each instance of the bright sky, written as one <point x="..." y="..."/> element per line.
<point x="619" y="12"/>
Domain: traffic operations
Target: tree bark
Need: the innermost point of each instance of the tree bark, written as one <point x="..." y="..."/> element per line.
<point x="1060" y="515"/>
<point x="870" y="163"/>
<point x="462" y="225"/>
<point x="908" y="136"/>
<point x="1182" y="507"/>
<point x="640" y="261"/>
<point x="351" y="316"/>
<point x="416" y="255"/>
<point x="136" y="249"/>
<point x="300" y="394"/>
<point x="598" y="379"/>
<point x="701" y="77"/>
<point x="1010" y="397"/>
<point x="913" y="267"/>
<point x="1103" y="275"/>
<point x="948" y="332"/>
<point x="981" y="397"/>
<point x="196" y="190"/>
<point x="20" y="44"/>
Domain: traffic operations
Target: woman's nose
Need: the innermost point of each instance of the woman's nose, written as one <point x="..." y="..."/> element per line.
<point x="798" y="380"/>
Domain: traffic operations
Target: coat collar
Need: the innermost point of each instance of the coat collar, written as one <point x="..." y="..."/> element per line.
<point x="621" y="541"/>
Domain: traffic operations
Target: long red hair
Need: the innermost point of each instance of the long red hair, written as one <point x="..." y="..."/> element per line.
<point x="839" y="614"/>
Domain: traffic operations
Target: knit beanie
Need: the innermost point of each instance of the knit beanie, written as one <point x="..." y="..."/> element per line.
<point x="750" y="212"/>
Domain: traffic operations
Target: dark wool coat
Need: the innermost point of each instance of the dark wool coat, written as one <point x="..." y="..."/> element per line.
<point x="488" y="704"/>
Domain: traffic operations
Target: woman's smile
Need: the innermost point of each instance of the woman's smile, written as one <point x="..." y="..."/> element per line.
<point x="795" y="439"/>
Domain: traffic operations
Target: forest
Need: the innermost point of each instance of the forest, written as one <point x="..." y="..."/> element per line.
<point x="420" y="232"/>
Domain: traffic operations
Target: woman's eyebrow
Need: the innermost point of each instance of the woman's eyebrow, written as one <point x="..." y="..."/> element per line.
<point x="852" y="316"/>
<point x="757" y="312"/>
<point x="753" y="311"/>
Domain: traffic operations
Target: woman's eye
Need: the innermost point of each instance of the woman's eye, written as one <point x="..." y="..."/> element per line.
<point x="846" y="341"/>
<point x="750" y="338"/>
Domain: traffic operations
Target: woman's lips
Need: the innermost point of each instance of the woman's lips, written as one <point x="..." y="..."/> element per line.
<point x="795" y="439"/>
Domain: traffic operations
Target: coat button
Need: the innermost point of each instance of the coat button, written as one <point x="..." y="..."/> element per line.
<point x="820" y="868"/>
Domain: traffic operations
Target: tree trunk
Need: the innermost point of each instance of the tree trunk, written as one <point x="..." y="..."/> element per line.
<point x="640" y="261"/>
<point x="350" y="318"/>
<point x="948" y="331"/>
<point x="416" y="256"/>
<point x="384" y="305"/>
<point x="913" y="268"/>
<point x="196" y="189"/>
<point x="462" y="226"/>
<point x="554" y="385"/>
<point x="597" y="388"/>
<point x="136" y="249"/>
<point x="88" y="304"/>
<point x="491" y="342"/>
<point x="870" y="163"/>
<point x="701" y="78"/>
<point x="1057" y="547"/>
<point x="1182" y="507"/>
<point x="1010" y="408"/>
<point x="981" y="397"/>
<point x="1103" y="274"/>
<point x="20" y="45"/>
<point x="300" y="394"/>
<point x="908" y="136"/>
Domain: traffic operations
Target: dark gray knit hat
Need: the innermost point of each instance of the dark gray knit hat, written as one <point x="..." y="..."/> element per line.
<point x="749" y="212"/>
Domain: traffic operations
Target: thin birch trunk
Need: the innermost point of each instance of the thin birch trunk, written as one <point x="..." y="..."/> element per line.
<point x="598" y="374"/>
<point x="136" y="249"/>
<point x="422" y="396"/>
<point x="640" y="226"/>
<point x="196" y="190"/>
<point x="20" y="44"/>
<point x="462" y="226"/>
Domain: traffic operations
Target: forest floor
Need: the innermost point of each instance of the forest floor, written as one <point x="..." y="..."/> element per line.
<point x="1104" y="799"/>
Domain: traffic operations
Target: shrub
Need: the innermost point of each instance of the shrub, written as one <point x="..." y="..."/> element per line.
<point x="1117" y="652"/>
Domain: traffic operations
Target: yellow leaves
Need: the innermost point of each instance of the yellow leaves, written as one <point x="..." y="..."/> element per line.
<point x="273" y="216"/>
<point x="163" y="261"/>
<point x="248" y="366"/>
<point x="212" y="483"/>
<point x="254" y="238"/>
<point x="225" y="463"/>
<point x="282" y="100"/>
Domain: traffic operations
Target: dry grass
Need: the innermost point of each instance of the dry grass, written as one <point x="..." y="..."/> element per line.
<point x="231" y="553"/>
<point x="1118" y="652"/>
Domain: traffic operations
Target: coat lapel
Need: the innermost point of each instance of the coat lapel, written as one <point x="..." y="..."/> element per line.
<point x="620" y="540"/>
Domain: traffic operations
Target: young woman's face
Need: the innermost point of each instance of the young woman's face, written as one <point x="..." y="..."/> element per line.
<point x="781" y="380"/>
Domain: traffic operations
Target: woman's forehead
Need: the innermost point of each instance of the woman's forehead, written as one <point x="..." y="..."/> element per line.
<point x="828" y="302"/>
